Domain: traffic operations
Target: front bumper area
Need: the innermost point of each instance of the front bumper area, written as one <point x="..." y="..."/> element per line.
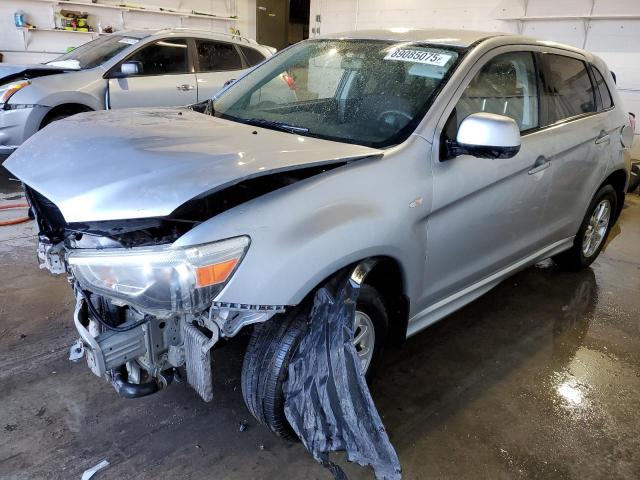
<point x="140" y="355"/>
<point x="17" y="123"/>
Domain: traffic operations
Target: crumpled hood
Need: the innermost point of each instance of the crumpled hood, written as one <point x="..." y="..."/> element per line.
<point x="125" y="164"/>
<point x="11" y="72"/>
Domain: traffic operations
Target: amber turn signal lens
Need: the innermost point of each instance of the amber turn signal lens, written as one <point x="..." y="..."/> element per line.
<point x="216" y="273"/>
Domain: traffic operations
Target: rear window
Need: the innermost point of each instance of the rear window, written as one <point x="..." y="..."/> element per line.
<point x="603" y="90"/>
<point x="217" y="56"/>
<point x="568" y="90"/>
<point x="252" y="56"/>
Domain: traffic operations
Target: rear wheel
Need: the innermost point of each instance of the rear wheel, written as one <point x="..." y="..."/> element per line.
<point x="593" y="231"/>
<point x="271" y="347"/>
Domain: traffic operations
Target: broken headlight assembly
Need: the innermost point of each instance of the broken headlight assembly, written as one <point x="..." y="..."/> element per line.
<point x="160" y="280"/>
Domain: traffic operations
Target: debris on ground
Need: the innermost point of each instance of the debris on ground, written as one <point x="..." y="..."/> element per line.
<point x="327" y="400"/>
<point x="93" y="470"/>
<point x="242" y="426"/>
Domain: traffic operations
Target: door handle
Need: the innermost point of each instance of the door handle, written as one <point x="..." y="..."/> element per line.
<point x="540" y="164"/>
<point x="185" y="87"/>
<point x="603" y="137"/>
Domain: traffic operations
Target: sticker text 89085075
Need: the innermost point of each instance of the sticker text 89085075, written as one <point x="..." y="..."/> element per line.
<point x="418" y="56"/>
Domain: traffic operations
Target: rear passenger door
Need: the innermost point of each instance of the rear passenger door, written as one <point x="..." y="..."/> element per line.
<point x="579" y="144"/>
<point x="216" y="63"/>
<point x="166" y="78"/>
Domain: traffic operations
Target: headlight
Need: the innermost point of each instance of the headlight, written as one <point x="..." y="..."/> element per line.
<point x="160" y="279"/>
<point x="6" y="91"/>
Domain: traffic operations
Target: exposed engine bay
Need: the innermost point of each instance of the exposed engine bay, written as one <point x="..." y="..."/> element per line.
<point x="139" y="349"/>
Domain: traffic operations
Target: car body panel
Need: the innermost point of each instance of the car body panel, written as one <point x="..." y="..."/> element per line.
<point x="437" y="220"/>
<point x="300" y="234"/>
<point x="157" y="159"/>
<point x="153" y="91"/>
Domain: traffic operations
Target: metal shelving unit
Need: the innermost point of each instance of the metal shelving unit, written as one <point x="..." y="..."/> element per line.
<point x="125" y="10"/>
<point x="133" y="8"/>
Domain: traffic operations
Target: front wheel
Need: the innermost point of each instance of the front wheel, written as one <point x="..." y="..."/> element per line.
<point x="593" y="231"/>
<point x="273" y="343"/>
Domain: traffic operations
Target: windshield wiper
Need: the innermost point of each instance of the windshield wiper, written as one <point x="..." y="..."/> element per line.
<point x="285" y="127"/>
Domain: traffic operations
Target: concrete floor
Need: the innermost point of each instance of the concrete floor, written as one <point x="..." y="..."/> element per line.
<point x="540" y="378"/>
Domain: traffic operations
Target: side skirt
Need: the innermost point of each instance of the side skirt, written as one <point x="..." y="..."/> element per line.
<point x="454" y="302"/>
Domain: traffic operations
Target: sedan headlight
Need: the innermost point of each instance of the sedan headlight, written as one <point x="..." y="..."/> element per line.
<point x="161" y="279"/>
<point x="6" y="91"/>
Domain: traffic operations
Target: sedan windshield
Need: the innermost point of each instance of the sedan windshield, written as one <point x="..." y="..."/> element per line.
<point x="94" y="53"/>
<point x="367" y="92"/>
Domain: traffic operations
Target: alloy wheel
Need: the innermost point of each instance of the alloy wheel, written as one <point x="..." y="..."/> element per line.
<point x="364" y="339"/>
<point x="597" y="228"/>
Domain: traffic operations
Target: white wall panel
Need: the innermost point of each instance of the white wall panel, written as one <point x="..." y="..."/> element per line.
<point x="549" y="8"/>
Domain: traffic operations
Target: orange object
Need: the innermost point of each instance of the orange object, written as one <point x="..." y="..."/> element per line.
<point x="216" y="273"/>
<point x="14" y="221"/>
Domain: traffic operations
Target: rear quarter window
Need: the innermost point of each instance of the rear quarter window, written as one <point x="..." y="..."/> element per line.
<point x="603" y="90"/>
<point x="568" y="91"/>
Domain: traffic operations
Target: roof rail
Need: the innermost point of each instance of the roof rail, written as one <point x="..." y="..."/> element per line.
<point x="231" y="35"/>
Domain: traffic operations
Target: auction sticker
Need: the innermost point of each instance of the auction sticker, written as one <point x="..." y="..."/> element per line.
<point x="129" y="41"/>
<point x="418" y="56"/>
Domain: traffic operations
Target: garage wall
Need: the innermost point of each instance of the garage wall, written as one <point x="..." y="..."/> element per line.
<point x="44" y="45"/>
<point x="609" y="28"/>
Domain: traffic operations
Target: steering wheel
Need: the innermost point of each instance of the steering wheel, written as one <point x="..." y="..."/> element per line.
<point x="391" y="117"/>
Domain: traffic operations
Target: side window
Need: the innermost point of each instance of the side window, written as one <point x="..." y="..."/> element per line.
<point x="253" y="56"/>
<point x="506" y="85"/>
<point x="605" y="94"/>
<point x="567" y="88"/>
<point x="163" y="57"/>
<point x="217" y="56"/>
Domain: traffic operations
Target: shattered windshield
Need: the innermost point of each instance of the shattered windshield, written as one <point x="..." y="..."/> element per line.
<point x="367" y="92"/>
<point x="94" y="53"/>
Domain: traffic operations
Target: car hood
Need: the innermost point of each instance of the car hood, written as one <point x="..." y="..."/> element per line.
<point x="125" y="164"/>
<point x="9" y="73"/>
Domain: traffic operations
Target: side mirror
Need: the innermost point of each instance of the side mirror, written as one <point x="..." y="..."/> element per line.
<point x="128" y="69"/>
<point x="228" y="82"/>
<point x="487" y="135"/>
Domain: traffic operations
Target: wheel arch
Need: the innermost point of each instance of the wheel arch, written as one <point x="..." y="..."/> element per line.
<point x="385" y="274"/>
<point x="70" y="108"/>
<point x="618" y="180"/>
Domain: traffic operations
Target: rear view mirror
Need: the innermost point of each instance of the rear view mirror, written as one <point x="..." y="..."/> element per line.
<point x="487" y="135"/>
<point x="128" y="69"/>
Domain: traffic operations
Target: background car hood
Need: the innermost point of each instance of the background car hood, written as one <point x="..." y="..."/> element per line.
<point x="129" y="163"/>
<point x="9" y="73"/>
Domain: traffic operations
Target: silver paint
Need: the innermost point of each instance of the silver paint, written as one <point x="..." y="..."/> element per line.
<point x="480" y="220"/>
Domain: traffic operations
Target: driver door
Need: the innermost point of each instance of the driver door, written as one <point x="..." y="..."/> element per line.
<point x="486" y="212"/>
<point x="165" y="79"/>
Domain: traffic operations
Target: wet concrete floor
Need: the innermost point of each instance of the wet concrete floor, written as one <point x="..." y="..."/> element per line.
<point x="540" y="378"/>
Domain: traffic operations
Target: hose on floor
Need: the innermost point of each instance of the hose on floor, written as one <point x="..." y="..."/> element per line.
<point x="14" y="221"/>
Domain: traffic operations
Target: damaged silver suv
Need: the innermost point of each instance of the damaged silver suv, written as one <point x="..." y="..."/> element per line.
<point x="431" y="164"/>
